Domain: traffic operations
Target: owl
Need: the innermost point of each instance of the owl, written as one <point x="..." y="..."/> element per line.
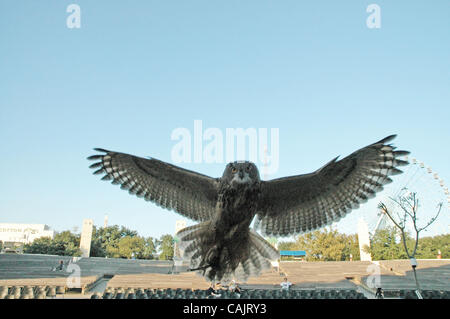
<point x="222" y="246"/>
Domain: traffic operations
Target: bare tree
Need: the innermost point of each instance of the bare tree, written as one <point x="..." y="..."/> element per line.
<point x="407" y="204"/>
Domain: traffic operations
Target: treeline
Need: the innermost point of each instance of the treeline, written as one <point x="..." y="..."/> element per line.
<point x="112" y="241"/>
<point x="63" y="244"/>
<point x="321" y="245"/>
<point x="330" y="245"/>
<point x="387" y="244"/>
<point x="325" y="245"/>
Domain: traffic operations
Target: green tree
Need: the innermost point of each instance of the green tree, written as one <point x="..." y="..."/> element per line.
<point x="287" y="245"/>
<point x="63" y="244"/>
<point x="72" y="249"/>
<point x="112" y="251"/>
<point x="120" y="242"/>
<point x="70" y="241"/>
<point x="149" y="248"/>
<point x="57" y="248"/>
<point x="127" y="232"/>
<point x="166" y="247"/>
<point x="351" y="247"/>
<point x="105" y="240"/>
<point x="131" y="245"/>
<point x="429" y="247"/>
<point x="97" y="248"/>
<point x="67" y="237"/>
<point x="323" y="245"/>
<point x="38" y="246"/>
<point x="385" y="245"/>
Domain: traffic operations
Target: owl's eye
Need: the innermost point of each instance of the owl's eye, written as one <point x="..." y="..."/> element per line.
<point x="248" y="168"/>
<point x="233" y="170"/>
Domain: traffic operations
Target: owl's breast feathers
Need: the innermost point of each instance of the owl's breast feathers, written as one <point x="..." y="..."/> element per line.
<point x="236" y="206"/>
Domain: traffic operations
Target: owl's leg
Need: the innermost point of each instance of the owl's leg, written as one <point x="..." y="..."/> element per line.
<point x="200" y="268"/>
<point x="210" y="260"/>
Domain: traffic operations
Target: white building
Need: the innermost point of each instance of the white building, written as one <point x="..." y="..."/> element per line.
<point x="86" y="237"/>
<point x="364" y="240"/>
<point x="23" y="233"/>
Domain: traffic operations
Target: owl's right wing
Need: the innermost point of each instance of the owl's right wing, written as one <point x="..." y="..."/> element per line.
<point x="188" y="193"/>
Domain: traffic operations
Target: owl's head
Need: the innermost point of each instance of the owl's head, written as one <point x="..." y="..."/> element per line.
<point x="241" y="172"/>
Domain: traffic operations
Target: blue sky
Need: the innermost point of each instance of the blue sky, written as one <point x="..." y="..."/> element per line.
<point x="136" y="71"/>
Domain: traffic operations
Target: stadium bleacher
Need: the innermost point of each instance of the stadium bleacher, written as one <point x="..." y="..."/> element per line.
<point x="33" y="277"/>
<point x="45" y="292"/>
<point x="39" y="266"/>
<point x="31" y="292"/>
<point x="142" y="293"/>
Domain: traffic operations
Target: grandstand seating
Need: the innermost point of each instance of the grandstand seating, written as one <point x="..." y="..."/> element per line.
<point x="404" y="266"/>
<point x="143" y="293"/>
<point x="40" y="266"/>
<point x="398" y="274"/>
<point x="25" y="276"/>
<point x="30" y="292"/>
<point x="44" y="292"/>
<point x="426" y="294"/>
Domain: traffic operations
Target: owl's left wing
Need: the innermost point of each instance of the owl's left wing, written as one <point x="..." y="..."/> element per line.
<point x="190" y="194"/>
<point x="302" y="203"/>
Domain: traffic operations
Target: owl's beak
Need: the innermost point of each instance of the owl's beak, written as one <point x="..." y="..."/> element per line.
<point x="241" y="177"/>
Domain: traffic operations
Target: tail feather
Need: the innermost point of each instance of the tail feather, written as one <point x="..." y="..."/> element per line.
<point x="249" y="259"/>
<point x="193" y="232"/>
<point x="191" y="239"/>
<point x="263" y="246"/>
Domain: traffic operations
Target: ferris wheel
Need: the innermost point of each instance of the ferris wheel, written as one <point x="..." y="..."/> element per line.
<point x="430" y="190"/>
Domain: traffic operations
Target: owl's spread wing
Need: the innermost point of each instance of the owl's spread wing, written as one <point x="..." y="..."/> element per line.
<point x="302" y="203"/>
<point x="190" y="194"/>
